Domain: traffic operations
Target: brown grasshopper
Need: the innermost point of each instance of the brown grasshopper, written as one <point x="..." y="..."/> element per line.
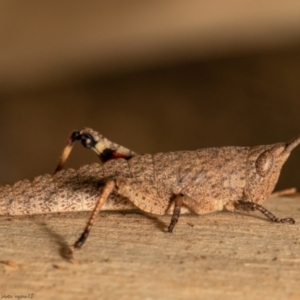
<point x="201" y="181"/>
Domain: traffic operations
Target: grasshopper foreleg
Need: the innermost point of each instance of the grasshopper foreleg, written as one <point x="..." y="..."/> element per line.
<point x="248" y="206"/>
<point x="178" y="200"/>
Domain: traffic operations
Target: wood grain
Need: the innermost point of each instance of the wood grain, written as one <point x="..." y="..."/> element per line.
<point x="130" y="256"/>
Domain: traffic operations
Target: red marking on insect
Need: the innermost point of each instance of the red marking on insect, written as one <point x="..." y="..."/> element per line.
<point x="116" y="155"/>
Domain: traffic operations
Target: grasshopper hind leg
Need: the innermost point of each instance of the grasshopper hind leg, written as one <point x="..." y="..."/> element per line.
<point x="108" y="188"/>
<point x="91" y="139"/>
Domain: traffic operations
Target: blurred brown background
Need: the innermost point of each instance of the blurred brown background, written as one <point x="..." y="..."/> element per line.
<point x="153" y="76"/>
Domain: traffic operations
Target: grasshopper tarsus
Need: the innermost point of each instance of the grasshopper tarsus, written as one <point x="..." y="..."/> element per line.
<point x="79" y="243"/>
<point x="247" y="206"/>
<point x="287" y="220"/>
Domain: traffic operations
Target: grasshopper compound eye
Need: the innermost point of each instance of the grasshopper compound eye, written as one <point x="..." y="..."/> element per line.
<point x="264" y="163"/>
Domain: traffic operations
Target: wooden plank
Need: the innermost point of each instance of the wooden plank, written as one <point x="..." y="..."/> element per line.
<point x="130" y="256"/>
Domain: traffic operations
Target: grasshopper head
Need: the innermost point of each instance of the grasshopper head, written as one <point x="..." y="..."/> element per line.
<point x="263" y="169"/>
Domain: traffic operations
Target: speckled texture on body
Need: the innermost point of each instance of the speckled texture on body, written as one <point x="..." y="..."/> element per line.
<point x="66" y="191"/>
<point x="207" y="179"/>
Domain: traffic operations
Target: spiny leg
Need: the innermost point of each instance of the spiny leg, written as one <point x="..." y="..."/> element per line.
<point x="247" y="206"/>
<point x="286" y="192"/>
<point x="108" y="188"/>
<point x="178" y="200"/>
<point x="90" y="139"/>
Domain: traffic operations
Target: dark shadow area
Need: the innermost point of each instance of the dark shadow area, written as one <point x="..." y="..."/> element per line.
<point x="65" y="251"/>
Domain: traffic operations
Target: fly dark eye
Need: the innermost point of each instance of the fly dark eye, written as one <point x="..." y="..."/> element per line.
<point x="264" y="163"/>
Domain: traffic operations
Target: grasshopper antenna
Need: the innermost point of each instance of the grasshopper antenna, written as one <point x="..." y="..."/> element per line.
<point x="90" y="139"/>
<point x="292" y="144"/>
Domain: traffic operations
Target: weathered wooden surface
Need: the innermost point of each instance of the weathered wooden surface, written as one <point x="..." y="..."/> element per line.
<point x="129" y="256"/>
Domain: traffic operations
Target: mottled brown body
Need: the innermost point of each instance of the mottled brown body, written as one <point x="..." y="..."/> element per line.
<point x="208" y="179"/>
<point x="144" y="179"/>
<point x="201" y="181"/>
<point x="66" y="191"/>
